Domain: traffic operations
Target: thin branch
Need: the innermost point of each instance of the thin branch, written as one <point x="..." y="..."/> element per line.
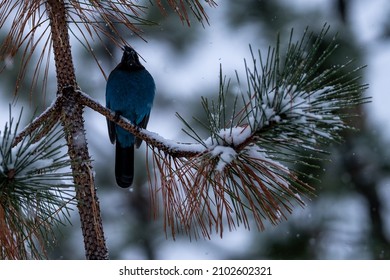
<point x="174" y="149"/>
<point x="50" y="115"/>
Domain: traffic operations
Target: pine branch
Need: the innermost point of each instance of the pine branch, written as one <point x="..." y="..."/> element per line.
<point x="173" y="148"/>
<point x="35" y="191"/>
<point x="247" y="164"/>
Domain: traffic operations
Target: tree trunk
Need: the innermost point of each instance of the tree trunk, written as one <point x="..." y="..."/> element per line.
<point x="73" y="124"/>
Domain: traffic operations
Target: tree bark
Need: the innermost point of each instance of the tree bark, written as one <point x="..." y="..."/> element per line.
<point x="73" y="124"/>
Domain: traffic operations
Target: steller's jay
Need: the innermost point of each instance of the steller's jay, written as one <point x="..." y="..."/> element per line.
<point x="129" y="93"/>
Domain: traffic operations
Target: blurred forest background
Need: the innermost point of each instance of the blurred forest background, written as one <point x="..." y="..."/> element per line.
<point x="350" y="216"/>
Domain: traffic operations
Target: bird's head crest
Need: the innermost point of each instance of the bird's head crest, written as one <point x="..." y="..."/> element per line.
<point x="130" y="58"/>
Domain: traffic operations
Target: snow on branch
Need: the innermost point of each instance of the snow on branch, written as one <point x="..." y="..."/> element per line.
<point x="244" y="166"/>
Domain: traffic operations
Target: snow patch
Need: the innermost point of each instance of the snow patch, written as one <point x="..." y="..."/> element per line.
<point x="79" y="139"/>
<point x="226" y="156"/>
<point x="232" y="136"/>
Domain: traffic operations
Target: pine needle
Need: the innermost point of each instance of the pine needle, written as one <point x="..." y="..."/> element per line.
<point x="246" y="171"/>
<point x="35" y="192"/>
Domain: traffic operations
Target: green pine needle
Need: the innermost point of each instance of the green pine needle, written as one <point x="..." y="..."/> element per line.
<point x="35" y="191"/>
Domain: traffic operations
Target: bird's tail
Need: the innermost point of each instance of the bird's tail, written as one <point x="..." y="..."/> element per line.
<point x="124" y="165"/>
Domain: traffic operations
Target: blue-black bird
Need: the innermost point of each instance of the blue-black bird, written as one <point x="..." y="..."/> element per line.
<point x="129" y="93"/>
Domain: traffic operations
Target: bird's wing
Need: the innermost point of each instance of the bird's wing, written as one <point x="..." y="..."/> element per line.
<point x="111" y="131"/>
<point x="142" y="124"/>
